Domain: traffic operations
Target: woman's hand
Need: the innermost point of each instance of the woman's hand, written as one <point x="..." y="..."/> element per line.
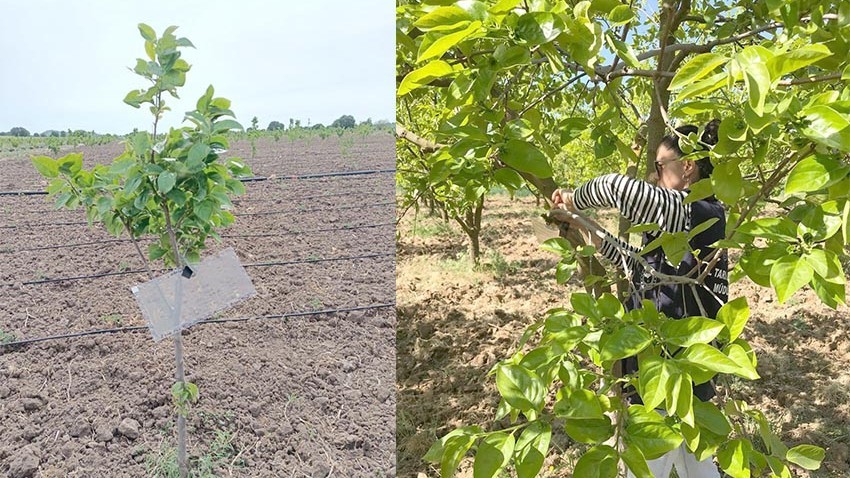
<point x="563" y="199"/>
<point x="577" y="222"/>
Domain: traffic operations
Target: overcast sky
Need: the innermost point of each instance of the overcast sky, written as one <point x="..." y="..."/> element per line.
<point x="64" y="63"/>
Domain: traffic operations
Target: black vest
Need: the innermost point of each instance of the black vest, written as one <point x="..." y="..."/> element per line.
<point x="677" y="300"/>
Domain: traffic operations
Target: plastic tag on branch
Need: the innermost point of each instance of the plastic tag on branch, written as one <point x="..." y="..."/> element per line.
<point x="543" y="231"/>
<point x="181" y="298"/>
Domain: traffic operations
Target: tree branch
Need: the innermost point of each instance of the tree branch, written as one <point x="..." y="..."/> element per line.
<point x="425" y="145"/>
<point x="810" y="80"/>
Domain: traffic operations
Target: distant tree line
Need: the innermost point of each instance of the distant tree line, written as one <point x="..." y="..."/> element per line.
<point x="344" y="122"/>
<point x="23" y="133"/>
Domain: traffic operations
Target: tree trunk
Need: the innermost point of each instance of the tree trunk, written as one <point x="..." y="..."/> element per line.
<point x="471" y="225"/>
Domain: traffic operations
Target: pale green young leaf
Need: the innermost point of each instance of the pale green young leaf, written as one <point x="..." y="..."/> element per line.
<point x="654" y="439"/>
<point x="494" y="452"/>
<point x="706" y="357"/>
<point x="424" y="75"/>
<point x="693" y="330"/>
<point x="789" y="274"/>
<point x="531" y="449"/>
<point x="814" y="173"/>
<point x="695" y="69"/>
<point x="46" y="166"/>
<point x="797" y="58"/>
<point x="806" y="456"/>
<point x="652" y="381"/>
<point x="601" y="461"/>
<point x="636" y="462"/>
<point x="445" y="17"/>
<point x="734" y="315"/>
<point x="625" y="342"/>
<point x="445" y="42"/>
<point x="521" y="388"/>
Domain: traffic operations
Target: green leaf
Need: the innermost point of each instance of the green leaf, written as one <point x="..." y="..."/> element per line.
<point x="590" y="431"/>
<point x="776" y="228"/>
<point x="204" y="210"/>
<point x="756" y="75"/>
<point x="625" y="342"/>
<point x="738" y="355"/>
<point x="620" y="15"/>
<point x="652" y="379"/>
<point x="493" y="455"/>
<point x="454" y="450"/>
<point x="797" y="58"/>
<point x="727" y="182"/>
<point x="695" y="69"/>
<point x="445" y="42"/>
<point x="521" y="388"/>
<point x="734" y="315"/>
<point x="623" y="49"/>
<point x="46" y="166"/>
<point x="442" y="18"/>
<point x="601" y="461"/>
<point x="827" y="126"/>
<point x="537" y="28"/>
<point x="147" y="32"/>
<point x="165" y="182"/>
<point x="636" y="462"/>
<point x="508" y="178"/>
<point x="197" y="153"/>
<point x="572" y="128"/>
<point x="734" y="458"/>
<point x="814" y="173"/>
<point x="708" y="416"/>
<point x="699" y="190"/>
<point x="806" y="456"/>
<point x="424" y="75"/>
<point x="525" y="157"/>
<point x="788" y="275"/>
<point x="226" y="125"/>
<point x="687" y="332"/>
<point x="510" y="56"/>
<point x="584" y="304"/>
<point x="702" y="87"/>
<point x="654" y="439"/>
<point x="531" y="449"/>
<point x="709" y="358"/>
<point x="580" y="404"/>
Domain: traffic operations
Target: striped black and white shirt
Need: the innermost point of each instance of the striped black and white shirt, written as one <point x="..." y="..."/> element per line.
<point x="638" y="201"/>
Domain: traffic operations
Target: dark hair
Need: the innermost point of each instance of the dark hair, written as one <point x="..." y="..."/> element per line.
<point x="708" y="139"/>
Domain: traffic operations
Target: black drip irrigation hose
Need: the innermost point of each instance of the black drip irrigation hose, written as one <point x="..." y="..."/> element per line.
<point x="224" y="236"/>
<point x="247" y="214"/>
<point x="251" y="179"/>
<point x="20" y="343"/>
<point x="240" y="200"/>
<point x="253" y="264"/>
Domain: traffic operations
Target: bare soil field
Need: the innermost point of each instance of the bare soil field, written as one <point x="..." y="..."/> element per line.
<point x="309" y="394"/>
<point x="455" y="323"/>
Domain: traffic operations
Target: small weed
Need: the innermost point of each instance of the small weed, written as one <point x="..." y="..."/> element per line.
<point x="123" y="266"/>
<point x="499" y="265"/>
<point x="6" y="338"/>
<point x="221" y="454"/>
<point x="316" y="304"/>
<point x="432" y="229"/>
<point x="112" y="319"/>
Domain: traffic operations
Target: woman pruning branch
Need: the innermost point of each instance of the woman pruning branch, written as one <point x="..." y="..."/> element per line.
<point x="664" y="206"/>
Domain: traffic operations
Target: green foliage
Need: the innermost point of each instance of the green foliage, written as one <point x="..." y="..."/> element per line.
<point x="508" y="93"/>
<point x="550" y="382"/>
<point x="176" y="182"/>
